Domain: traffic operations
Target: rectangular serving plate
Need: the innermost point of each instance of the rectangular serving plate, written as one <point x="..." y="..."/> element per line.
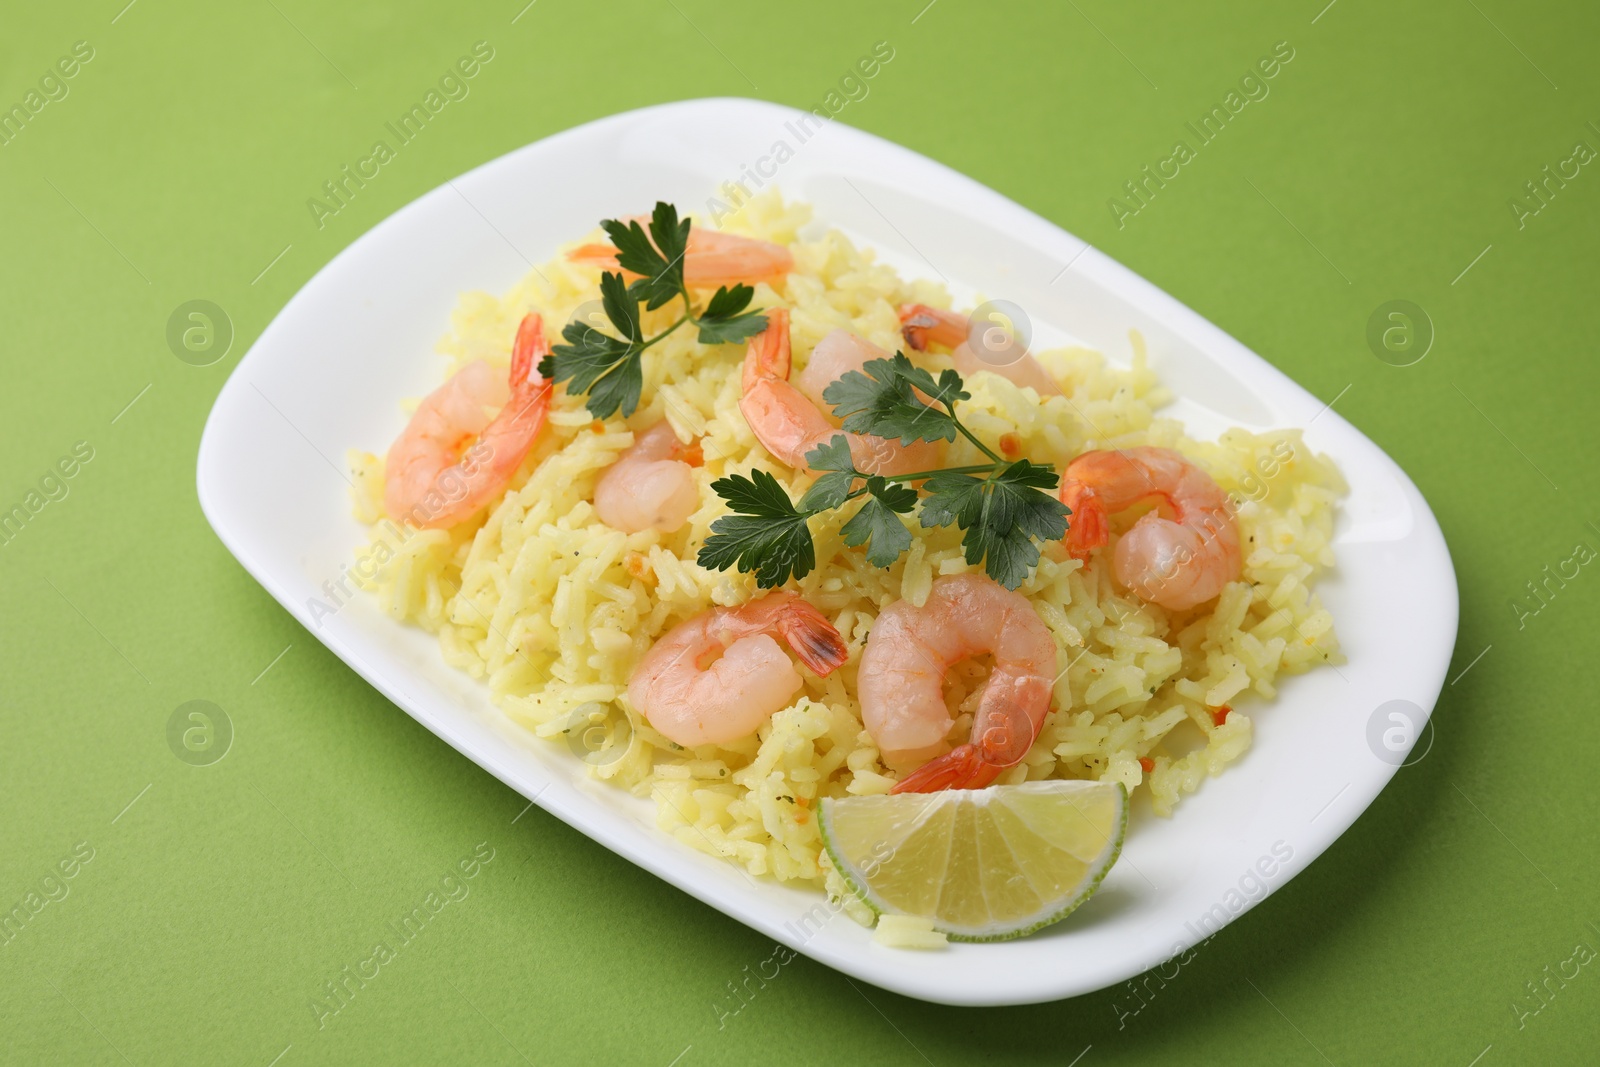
<point x="327" y="375"/>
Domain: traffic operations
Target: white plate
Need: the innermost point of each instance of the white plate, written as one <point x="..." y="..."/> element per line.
<point x="328" y="373"/>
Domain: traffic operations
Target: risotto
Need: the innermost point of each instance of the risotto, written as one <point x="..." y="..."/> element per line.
<point x="553" y="609"/>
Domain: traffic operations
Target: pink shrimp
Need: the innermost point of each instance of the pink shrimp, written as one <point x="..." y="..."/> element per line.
<point x="900" y="683"/>
<point x="650" y="485"/>
<point x="452" y="458"/>
<point x="922" y="325"/>
<point x="789" y="425"/>
<point x="694" y="701"/>
<point x="836" y="355"/>
<point x="713" y="258"/>
<point x="1177" y="562"/>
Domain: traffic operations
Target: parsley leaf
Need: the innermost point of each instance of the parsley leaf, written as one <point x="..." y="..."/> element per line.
<point x="607" y="368"/>
<point x="832" y="489"/>
<point x="658" y="257"/>
<point x="727" y="303"/>
<point x="767" y="535"/>
<point x="1033" y="476"/>
<point x="621" y="309"/>
<point x="947" y="390"/>
<point x="618" y="389"/>
<point x="879" y="400"/>
<point x="671" y="237"/>
<point x="721" y="323"/>
<point x="734" y="329"/>
<point x="952" y="498"/>
<point x="1001" y="516"/>
<point x="898" y="498"/>
<point x="878" y="521"/>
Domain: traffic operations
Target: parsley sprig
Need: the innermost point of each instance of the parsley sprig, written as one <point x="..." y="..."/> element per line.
<point x="1003" y="508"/>
<point x="609" y="367"/>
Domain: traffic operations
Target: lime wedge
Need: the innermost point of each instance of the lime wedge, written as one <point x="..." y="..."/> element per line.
<point x="982" y="864"/>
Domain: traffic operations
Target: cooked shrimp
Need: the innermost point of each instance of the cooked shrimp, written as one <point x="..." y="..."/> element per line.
<point x="695" y="702"/>
<point x="789" y="425"/>
<point x="922" y="325"/>
<point x="1177" y="562"/>
<point x="901" y="680"/>
<point x="649" y="485"/>
<point x="452" y="458"/>
<point x="836" y="355"/>
<point x="713" y="258"/>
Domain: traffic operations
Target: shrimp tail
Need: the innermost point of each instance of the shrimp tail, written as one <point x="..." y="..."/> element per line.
<point x="1087" y="528"/>
<point x="963" y="767"/>
<point x="595" y="255"/>
<point x="922" y="325"/>
<point x="769" y="355"/>
<point x="812" y="637"/>
<point x="529" y="348"/>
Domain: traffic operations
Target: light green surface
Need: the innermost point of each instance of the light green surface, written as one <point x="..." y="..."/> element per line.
<point x="217" y="904"/>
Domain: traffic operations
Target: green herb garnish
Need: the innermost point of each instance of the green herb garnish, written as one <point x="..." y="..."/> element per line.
<point x="609" y="366"/>
<point x="1002" y="507"/>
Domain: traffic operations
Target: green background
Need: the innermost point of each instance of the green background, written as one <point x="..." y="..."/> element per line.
<point x="1379" y="168"/>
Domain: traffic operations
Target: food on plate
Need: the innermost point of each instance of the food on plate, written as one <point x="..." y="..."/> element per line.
<point x="789" y="423"/>
<point x="711" y="258"/>
<point x="773" y="532"/>
<point x="902" y="678"/>
<point x="1177" y="562"/>
<point x="1002" y="354"/>
<point x="747" y="676"/>
<point x="651" y="485"/>
<point x="454" y="457"/>
<point x="981" y="864"/>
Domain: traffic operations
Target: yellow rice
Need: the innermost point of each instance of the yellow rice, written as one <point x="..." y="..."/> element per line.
<point x="552" y="608"/>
